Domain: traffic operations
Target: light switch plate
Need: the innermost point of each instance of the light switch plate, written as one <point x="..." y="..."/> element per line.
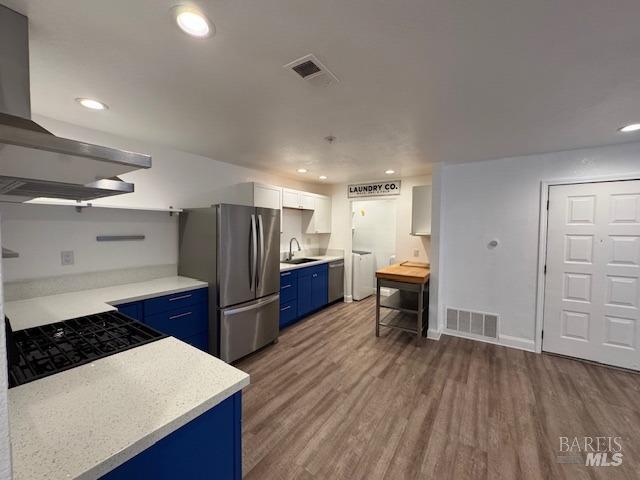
<point x="66" y="257"/>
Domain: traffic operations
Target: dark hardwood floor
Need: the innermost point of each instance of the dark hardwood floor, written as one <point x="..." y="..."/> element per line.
<point x="332" y="401"/>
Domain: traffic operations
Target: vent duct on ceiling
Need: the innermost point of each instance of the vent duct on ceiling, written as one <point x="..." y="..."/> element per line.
<point x="310" y="69"/>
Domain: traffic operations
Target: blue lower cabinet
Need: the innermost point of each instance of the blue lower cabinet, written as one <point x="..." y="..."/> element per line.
<point x="183" y="315"/>
<point x="303" y="291"/>
<point x="208" y="447"/>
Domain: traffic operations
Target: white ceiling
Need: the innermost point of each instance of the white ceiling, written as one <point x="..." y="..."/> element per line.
<point x="422" y="81"/>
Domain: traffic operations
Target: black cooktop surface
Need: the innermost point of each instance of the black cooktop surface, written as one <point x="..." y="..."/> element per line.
<point x="53" y="348"/>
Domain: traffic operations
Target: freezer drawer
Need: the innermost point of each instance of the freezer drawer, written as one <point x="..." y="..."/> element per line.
<point x="247" y="327"/>
<point x="336" y="280"/>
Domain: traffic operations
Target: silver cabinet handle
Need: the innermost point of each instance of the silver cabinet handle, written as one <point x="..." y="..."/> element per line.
<point x="181" y="297"/>
<point x="285" y="308"/>
<point x="285" y="286"/>
<point x="285" y="274"/>
<point x="180" y="315"/>
<point x="315" y="275"/>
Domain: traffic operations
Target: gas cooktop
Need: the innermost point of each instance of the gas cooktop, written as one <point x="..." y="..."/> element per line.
<point x="38" y="352"/>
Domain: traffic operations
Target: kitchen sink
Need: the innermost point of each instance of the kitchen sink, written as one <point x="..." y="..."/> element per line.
<point x="298" y="261"/>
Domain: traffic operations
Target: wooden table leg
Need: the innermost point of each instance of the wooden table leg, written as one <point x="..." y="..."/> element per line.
<point x="377" y="307"/>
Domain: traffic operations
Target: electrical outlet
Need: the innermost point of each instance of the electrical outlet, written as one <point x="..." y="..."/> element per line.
<point x="416" y="253"/>
<point x="66" y="257"/>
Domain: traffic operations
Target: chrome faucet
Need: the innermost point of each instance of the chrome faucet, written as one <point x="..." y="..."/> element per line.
<point x="291" y="247"/>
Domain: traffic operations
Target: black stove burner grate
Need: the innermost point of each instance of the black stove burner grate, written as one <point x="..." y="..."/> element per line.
<point x="53" y="348"/>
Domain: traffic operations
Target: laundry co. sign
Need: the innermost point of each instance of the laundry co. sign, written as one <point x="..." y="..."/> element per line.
<point x="374" y="189"/>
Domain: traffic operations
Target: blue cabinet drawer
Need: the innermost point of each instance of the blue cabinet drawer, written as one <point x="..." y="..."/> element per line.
<point x="133" y="310"/>
<point x="200" y="341"/>
<point x="288" y="292"/>
<point x="288" y="313"/>
<point x="175" y="301"/>
<point x="181" y="323"/>
<point x="288" y="278"/>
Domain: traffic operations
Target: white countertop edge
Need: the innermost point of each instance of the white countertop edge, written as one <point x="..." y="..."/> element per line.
<point x="146" y="296"/>
<point x="285" y="267"/>
<point x="151" y="439"/>
<point x="38" y="311"/>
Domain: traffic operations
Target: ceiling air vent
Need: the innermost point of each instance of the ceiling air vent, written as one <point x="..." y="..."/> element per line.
<point x="311" y="70"/>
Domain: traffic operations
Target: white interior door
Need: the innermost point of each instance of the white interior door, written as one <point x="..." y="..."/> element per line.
<point x="592" y="289"/>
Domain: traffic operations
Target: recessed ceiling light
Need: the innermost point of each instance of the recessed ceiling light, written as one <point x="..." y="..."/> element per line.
<point x="193" y="22"/>
<point x="92" y="104"/>
<point x="302" y="170"/>
<point x="389" y="172"/>
<point x="634" y="127"/>
<point x="323" y="177"/>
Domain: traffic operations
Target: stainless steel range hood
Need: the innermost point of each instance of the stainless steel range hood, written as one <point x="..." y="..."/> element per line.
<point x="33" y="161"/>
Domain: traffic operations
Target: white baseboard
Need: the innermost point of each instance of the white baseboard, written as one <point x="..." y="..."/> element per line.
<point x="503" y="340"/>
<point x="348" y="298"/>
<point x="518" y="342"/>
<point x="433" y="334"/>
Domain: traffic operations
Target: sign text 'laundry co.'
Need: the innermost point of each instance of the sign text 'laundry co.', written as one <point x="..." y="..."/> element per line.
<point x="374" y="189"/>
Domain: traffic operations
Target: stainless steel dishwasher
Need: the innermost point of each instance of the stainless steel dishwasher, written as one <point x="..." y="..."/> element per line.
<point x="336" y="280"/>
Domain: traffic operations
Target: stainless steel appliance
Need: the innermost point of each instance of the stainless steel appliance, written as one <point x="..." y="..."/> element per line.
<point x="336" y="280"/>
<point x="33" y="161"/>
<point x="237" y="250"/>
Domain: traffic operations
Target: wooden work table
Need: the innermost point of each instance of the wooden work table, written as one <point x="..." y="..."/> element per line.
<point x="409" y="304"/>
<point x="405" y="272"/>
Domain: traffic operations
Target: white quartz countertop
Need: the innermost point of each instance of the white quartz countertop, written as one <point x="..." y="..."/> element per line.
<point x="319" y="260"/>
<point x="86" y="421"/>
<point x="38" y="311"/>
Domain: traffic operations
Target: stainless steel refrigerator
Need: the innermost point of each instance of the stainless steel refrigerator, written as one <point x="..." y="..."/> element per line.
<point x="236" y="249"/>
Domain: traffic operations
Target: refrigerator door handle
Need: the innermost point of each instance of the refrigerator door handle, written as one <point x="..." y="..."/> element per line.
<point x="261" y="236"/>
<point x="254" y="252"/>
<point x="253" y="306"/>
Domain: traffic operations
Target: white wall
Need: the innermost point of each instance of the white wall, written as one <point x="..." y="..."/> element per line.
<point x="499" y="199"/>
<point x="176" y="178"/>
<point x="40" y="232"/>
<point x="292" y="227"/>
<point x="374" y="223"/>
<point x="5" y="449"/>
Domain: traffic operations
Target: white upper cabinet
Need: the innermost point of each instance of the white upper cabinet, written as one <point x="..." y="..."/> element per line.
<point x="307" y="201"/>
<point x="318" y="220"/>
<point x="296" y="199"/>
<point x="267" y="196"/>
<point x="421" y="210"/>
<point x="290" y="198"/>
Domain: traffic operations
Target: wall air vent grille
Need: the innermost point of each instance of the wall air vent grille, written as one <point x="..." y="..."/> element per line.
<point x="310" y="69"/>
<point x="474" y="323"/>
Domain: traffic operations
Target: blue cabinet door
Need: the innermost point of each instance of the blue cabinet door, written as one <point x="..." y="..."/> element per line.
<point x="305" y="302"/>
<point x="319" y="288"/>
<point x="210" y="446"/>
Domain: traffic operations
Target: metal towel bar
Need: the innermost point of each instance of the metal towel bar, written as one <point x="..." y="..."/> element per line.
<point x="118" y="238"/>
